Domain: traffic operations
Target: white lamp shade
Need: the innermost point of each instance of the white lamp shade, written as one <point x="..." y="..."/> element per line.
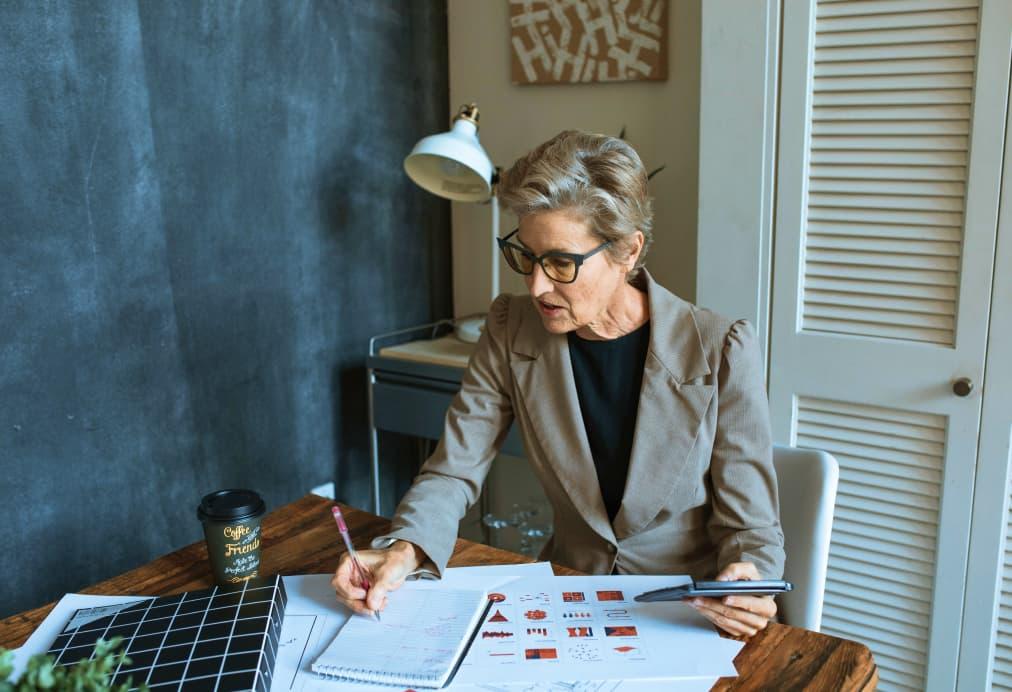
<point x="452" y="165"/>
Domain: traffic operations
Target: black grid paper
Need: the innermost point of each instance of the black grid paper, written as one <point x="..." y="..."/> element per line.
<point x="225" y="638"/>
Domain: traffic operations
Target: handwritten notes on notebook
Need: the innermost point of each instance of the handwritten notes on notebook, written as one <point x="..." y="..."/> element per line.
<point x="420" y="640"/>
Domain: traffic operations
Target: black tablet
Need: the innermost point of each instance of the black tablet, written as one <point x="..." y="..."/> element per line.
<point x="716" y="589"/>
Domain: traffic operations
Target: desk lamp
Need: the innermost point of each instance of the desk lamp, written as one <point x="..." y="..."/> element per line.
<point x="453" y="165"/>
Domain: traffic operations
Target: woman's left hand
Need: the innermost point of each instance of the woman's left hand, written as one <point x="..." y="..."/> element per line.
<point x="737" y="615"/>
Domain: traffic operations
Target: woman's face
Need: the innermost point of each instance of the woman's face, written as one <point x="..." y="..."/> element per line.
<point x="567" y="307"/>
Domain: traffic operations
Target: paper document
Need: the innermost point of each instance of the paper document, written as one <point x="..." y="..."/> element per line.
<point x="687" y="685"/>
<point x="590" y="628"/>
<point x="313" y="618"/>
<point x="305" y="635"/>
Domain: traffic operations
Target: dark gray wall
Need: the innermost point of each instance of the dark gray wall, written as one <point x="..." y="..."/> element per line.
<point x="203" y="217"/>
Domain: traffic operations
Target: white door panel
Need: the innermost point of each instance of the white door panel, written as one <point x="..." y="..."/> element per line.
<point x="985" y="660"/>
<point x="890" y="159"/>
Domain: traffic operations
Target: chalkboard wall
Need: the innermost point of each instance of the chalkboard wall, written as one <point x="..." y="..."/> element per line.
<point x="203" y="217"/>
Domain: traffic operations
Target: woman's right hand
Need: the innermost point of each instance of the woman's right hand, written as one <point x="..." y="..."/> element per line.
<point x="387" y="569"/>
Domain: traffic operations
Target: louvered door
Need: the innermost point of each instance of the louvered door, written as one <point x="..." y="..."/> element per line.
<point x="985" y="660"/>
<point x="886" y="218"/>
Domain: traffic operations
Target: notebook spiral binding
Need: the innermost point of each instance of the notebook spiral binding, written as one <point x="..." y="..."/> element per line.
<point x="375" y="676"/>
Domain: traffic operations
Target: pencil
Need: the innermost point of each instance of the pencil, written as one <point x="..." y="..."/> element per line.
<point x="359" y="568"/>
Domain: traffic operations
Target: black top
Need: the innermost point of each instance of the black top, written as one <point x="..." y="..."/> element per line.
<point x="608" y="376"/>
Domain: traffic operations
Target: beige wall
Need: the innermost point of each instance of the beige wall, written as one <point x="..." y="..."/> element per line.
<point x="661" y="119"/>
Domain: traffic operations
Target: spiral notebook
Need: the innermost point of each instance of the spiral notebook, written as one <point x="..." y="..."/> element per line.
<point x="423" y="636"/>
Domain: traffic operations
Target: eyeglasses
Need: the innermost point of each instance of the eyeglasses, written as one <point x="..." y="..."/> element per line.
<point x="561" y="267"/>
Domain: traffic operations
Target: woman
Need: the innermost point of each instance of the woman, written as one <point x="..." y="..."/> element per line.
<point x="644" y="417"/>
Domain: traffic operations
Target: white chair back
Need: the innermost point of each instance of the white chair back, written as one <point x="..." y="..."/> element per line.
<point x="807" y="480"/>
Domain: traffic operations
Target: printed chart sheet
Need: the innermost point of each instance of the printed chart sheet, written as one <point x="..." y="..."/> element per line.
<point x="590" y="628"/>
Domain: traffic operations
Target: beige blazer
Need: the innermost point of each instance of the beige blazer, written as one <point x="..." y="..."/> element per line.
<point x="701" y="491"/>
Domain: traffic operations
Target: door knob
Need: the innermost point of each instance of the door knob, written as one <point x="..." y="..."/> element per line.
<point x="962" y="387"/>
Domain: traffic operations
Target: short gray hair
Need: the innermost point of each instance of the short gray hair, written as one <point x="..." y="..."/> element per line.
<point x="597" y="177"/>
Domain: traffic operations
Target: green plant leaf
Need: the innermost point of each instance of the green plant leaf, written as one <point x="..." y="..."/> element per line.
<point x="88" y="675"/>
<point x="46" y="680"/>
<point x="6" y="663"/>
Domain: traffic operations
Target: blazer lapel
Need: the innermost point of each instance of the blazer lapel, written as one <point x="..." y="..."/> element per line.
<point x="549" y="397"/>
<point x="670" y="409"/>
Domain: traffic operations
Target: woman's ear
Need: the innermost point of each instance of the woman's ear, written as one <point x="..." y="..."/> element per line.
<point x="635" y="248"/>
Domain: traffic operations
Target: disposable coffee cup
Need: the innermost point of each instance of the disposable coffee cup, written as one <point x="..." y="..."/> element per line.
<point x="231" y="521"/>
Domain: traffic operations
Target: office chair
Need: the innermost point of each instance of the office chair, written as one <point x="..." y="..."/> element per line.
<point x="807" y="480"/>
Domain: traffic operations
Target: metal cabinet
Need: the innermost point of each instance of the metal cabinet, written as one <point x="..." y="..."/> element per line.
<point x="411" y="382"/>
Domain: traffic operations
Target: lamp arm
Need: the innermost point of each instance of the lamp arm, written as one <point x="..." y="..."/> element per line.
<point x="494" y="201"/>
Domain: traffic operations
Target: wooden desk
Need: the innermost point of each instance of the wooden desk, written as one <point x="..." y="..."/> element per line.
<point x="300" y="538"/>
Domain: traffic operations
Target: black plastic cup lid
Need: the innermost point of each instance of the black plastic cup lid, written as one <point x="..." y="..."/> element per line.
<point x="231" y="505"/>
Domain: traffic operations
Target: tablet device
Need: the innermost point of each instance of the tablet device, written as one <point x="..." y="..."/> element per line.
<point x="716" y="589"/>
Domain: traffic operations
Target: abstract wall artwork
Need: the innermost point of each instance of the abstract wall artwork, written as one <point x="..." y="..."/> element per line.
<point x="574" y="41"/>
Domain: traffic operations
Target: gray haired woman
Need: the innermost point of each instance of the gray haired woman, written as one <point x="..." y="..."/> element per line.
<point x="644" y="417"/>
